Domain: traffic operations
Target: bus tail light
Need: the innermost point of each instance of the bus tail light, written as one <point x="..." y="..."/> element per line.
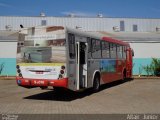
<point x="19" y="71"/>
<point x="20" y="74"/>
<point x="17" y="67"/>
<point x="60" y="76"/>
<point x="63" y="67"/>
<point x="62" y="72"/>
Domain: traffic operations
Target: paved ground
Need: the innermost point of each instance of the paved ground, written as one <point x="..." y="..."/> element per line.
<point x="137" y="96"/>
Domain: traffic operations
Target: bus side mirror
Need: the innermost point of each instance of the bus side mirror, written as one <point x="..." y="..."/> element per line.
<point x="132" y="52"/>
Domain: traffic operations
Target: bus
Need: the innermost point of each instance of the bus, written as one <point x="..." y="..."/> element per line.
<point x="62" y="57"/>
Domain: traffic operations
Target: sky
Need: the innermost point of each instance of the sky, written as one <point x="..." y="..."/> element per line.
<point x="84" y="8"/>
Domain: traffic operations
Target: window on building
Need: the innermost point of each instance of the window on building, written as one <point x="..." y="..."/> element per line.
<point x="43" y="22"/>
<point x="135" y="28"/>
<point x="122" y="26"/>
<point x="31" y="31"/>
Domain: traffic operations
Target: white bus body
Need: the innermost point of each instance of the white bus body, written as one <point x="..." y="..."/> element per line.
<point x="69" y="58"/>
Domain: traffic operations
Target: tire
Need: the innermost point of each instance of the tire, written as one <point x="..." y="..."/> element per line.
<point x="124" y="75"/>
<point x="96" y="83"/>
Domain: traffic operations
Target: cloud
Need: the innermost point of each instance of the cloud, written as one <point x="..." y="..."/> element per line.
<point x="155" y="10"/>
<point x="79" y="14"/>
<point x="5" y="5"/>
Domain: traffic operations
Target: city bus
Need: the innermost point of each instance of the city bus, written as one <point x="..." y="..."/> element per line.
<point x="62" y="57"/>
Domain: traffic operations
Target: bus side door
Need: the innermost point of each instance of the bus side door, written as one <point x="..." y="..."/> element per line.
<point x="81" y="64"/>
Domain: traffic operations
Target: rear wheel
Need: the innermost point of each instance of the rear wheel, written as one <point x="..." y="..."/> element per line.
<point x="96" y="83"/>
<point x="124" y="75"/>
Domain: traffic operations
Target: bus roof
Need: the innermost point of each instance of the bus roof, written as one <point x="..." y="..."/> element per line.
<point x="98" y="35"/>
<point x="109" y="39"/>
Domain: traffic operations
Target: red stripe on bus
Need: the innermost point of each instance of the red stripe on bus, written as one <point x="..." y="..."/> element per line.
<point x="115" y="41"/>
<point x="42" y="82"/>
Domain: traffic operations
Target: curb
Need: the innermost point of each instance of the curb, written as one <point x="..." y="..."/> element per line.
<point x="8" y="78"/>
<point x="145" y="77"/>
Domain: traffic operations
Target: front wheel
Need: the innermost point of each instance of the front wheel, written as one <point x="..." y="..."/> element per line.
<point x="96" y="83"/>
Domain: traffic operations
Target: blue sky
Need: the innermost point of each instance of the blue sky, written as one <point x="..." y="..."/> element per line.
<point x="109" y="8"/>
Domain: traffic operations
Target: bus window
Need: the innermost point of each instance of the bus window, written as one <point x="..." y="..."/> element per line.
<point x="71" y="40"/>
<point x="96" y="48"/>
<point x="113" y="50"/>
<point x="119" y="51"/>
<point x="105" y="50"/>
<point x="124" y="52"/>
<point x="89" y="47"/>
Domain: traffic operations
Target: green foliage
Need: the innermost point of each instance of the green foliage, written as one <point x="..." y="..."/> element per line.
<point x="148" y="69"/>
<point x="153" y="68"/>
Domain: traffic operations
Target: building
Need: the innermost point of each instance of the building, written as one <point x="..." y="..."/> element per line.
<point x="8" y="48"/>
<point x="143" y="34"/>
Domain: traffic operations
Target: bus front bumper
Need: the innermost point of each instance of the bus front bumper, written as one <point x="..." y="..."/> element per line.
<point x="42" y="82"/>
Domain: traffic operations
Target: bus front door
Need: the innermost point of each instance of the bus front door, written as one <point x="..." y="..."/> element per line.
<point x="129" y="63"/>
<point x="81" y="64"/>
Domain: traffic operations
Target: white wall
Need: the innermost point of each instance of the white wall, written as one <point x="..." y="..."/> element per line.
<point x="8" y="49"/>
<point x="146" y="50"/>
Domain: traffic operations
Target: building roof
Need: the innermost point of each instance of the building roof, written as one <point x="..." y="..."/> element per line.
<point x="8" y="36"/>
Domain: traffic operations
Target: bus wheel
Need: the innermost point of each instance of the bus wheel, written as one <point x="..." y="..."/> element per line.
<point x="124" y="75"/>
<point x="96" y="83"/>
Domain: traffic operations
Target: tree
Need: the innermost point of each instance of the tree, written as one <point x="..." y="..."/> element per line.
<point x="153" y="68"/>
<point x="156" y="66"/>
